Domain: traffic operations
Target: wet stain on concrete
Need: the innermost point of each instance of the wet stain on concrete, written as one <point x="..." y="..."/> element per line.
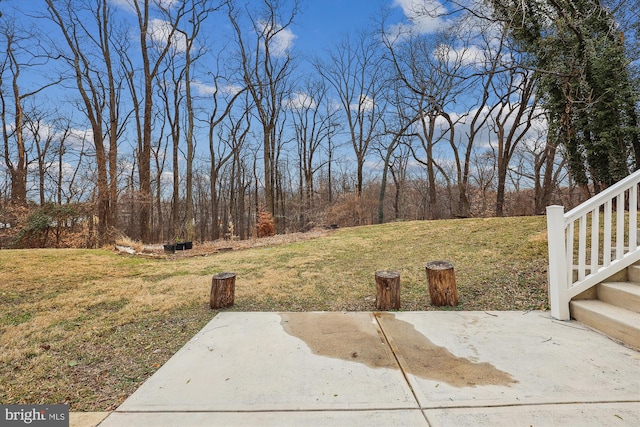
<point x="346" y="336"/>
<point x="424" y="359"/>
<point x="352" y="337"/>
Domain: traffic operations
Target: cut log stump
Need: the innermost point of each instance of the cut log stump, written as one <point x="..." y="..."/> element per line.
<point x="442" y="283"/>
<point x="387" y="290"/>
<point x="223" y="288"/>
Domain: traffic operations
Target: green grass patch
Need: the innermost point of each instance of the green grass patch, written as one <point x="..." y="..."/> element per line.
<point x="87" y="327"/>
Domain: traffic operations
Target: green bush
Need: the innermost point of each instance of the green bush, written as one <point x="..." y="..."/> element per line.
<point x="48" y="219"/>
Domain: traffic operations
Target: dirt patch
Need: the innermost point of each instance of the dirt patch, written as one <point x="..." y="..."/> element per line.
<point x="221" y="246"/>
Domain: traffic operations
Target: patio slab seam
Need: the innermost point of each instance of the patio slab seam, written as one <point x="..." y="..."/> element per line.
<point x="258" y="356"/>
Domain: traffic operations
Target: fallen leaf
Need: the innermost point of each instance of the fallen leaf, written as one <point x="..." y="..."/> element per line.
<point x="73" y="363"/>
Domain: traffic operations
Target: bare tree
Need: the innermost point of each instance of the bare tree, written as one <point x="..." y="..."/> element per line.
<point x="224" y="96"/>
<point x="172" y="96"/>
<point x="159" y="155"/>
<point x="237" y="131"/>
<point x="155" y="44"/>
<point x="427" y="79"/>
<point x="354" y="70"/>
<point x="196" y="17"/>
<point x="397" y="130"/>
<point x="313" y="120"/>
<point x="18" y="53"/>
<point x="544" y="165"/>
<point x="42" y="135"/>
<point x="89" y="58"/>
<point x="511" y="122"/>
<point x="266" y="69"/>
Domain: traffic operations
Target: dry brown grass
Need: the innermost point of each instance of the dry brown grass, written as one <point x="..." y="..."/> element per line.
<point x="86" y="327"/>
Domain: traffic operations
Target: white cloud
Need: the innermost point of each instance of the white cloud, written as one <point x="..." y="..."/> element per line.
<point x="281" y="42"/>
<point x="159" y="32"/>
<point x="79" y="138"/>
<point x="209" y="89"/>
<point x="298" y="101"/>
<point x="203" y="88"/>
<point x="365" y="103"/>
<point x="424" y="17"/>
<point x="231" y="89"/>
<point x="166" y="177"/>
<point x="469" y="56"/>
<point x="168" y="4"/>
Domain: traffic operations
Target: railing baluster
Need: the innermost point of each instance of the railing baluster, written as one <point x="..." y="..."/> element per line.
<point x="569" y="252"/>
<point x="595" y="239"/>
<point x="633" y="218"/>
<point x="620" y="226"/>
<point x="606" y="251"/>
<point x="582" y="247"/>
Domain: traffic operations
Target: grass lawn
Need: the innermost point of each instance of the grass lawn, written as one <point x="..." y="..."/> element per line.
<point x="87" y="327"/>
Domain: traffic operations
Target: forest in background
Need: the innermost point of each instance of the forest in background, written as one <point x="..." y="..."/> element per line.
<point x="191" y="120"/>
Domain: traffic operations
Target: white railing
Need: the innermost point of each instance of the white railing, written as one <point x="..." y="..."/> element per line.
<point x="591" y="242"/>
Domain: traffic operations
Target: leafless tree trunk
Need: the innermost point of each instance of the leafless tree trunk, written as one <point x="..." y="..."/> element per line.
<point x="14" y="145"/>
<point x="401" y="121"/>
<point x="170" y="91"/>
<point x="427" y="77"/>
<point x="42" y="138"/>
<point x="90" y="60"/>
<point x="159" y="153"/>
<point x="398" y="170"/>
<point x="266" y="70"/>
<point x="312" y="123"/>
<point x="545" y="166"/>
<point x="354" y="70"/>
<point x="154" y="47"/>
<point x="511" y="123"/>
<point x="221" y="149"/>
<point x="196" y="17"/>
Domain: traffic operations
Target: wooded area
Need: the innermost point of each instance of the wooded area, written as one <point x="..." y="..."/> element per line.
<point x="167" y="121"/>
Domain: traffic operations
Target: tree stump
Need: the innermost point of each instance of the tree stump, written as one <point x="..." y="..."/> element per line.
<point x="223" y="287"/>
<point x="442" y="283"/>
<point x="388" y="290"/>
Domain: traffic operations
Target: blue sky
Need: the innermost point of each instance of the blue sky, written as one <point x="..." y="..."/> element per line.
<point x="324" y="22"/>
<point x="319" y="26"/>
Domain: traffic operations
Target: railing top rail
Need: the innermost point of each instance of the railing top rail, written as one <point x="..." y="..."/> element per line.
<point x="602" y="197"/>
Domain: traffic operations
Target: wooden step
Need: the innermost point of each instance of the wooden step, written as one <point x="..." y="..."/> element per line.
<point x="617" y="322"/>
<point x="621" y="294"/>
<point x="633" y="272"/>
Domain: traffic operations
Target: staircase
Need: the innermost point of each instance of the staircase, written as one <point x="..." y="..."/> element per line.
<point x="594" y="261"/>
<point x="613" y="307"/>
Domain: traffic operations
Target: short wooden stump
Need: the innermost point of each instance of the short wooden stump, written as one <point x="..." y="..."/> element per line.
<point x="442" y="283"/>
<point x="387" y="290"/>
<point x="223" y="289"/>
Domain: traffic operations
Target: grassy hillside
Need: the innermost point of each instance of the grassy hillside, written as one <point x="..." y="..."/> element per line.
<point x="86" y="327"/>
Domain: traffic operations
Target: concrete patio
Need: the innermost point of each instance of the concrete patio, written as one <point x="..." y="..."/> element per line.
<point x="431" y="368"/>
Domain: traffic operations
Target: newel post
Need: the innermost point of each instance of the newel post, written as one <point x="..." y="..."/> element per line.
<point x="558" y="275"/>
